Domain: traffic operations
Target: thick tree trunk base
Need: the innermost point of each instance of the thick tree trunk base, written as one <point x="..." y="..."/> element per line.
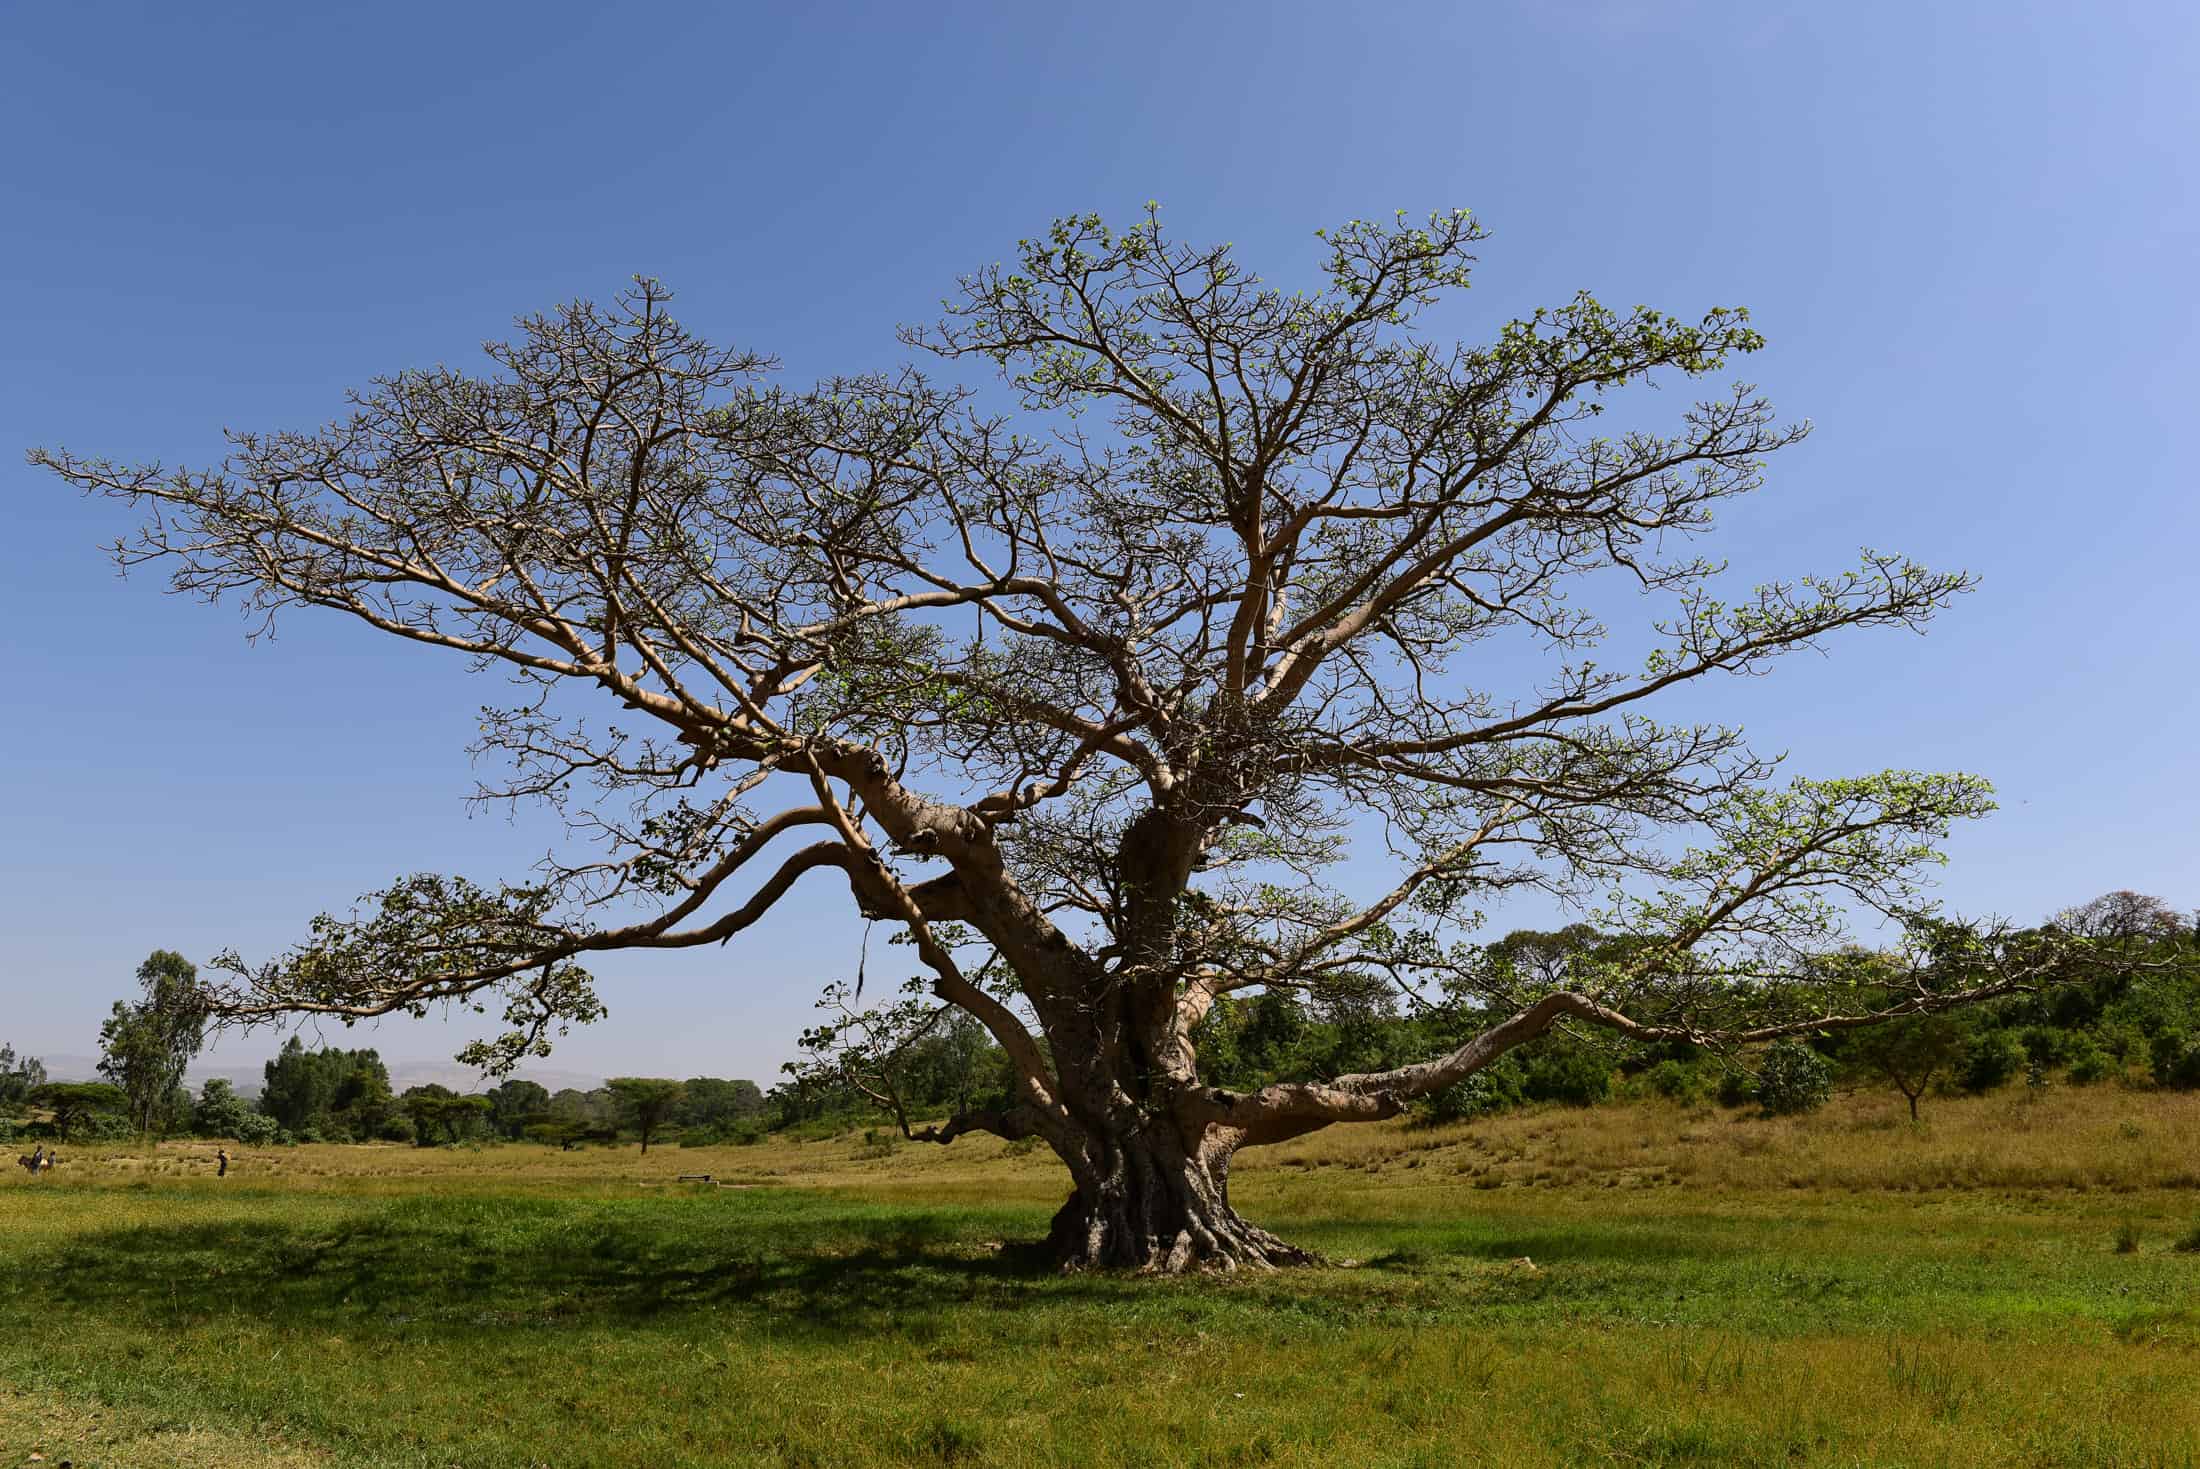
<point x="1155" y="1210"/>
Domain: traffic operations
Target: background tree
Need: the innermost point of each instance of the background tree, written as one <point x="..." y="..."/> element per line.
<point x="219" y="1111"/>
<point x="328" y="1092"/>
<point x="298" y="1086"/>
<point x="19" y="1077"/>
<point x="2124" y="914"/>
<point x="712" y="1105"/>
<point x="144" y="1047"/>
<point x="75" y="1103"/>
<point x="440" y="1115"/>
<point x="1911" y="1052"/>
<point x="578" y="1116"/>
<point x="514" y="1103"/>
<point x="1088" y="698"/>
<point x="646" y="1103"/>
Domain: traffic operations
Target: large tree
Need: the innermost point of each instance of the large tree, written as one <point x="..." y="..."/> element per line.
<point x="19" y="1077"/>
<point x="145" y="1046"/>
<point x="1085" y="684"/>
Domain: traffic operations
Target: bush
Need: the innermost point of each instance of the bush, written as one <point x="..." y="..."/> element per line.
<point x="1793" y="1079"/>
<point x="1678" y="1081"/>
<point x="1737" y="1088"/>
<point x="2176" y="1061"/>
<point x="1992" y="1058"/>
<point x="1495" y="1088"/>
<point x="2088" y="1062"/>
<point x="1579" y="1078"/>
<point x="2190" y="1244"/>
<point x="2123" y="1043"/>
<point x="255" y="1129"/>
<point x="2127" y="1238"/>
<point x="2047" y="1046"/>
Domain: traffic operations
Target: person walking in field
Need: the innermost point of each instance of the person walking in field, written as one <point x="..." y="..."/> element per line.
<point x="221" y="1156"/>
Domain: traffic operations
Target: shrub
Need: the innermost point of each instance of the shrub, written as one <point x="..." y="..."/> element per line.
<point x="1580" y="1078"/>
<point x="2127" y="1238"/>
<point x="1737" y="1088"/>
<point x="1793" y="1079"/>
<point x="2122" y="1042"/>
<point x="2176" y="1061"/>
<point x="1678" y="1081"/>
<point x="2088" y="1062"/>
<point x="1495" y="1088"/>
<point x="255" y="1129"/>
<point x="104" y="1127"/>
<point x="1992" y="1057"/>
<point x="2190" y="1244"/>
<point x="2047" y="1046"/>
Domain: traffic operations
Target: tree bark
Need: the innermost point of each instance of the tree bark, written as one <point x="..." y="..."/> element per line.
<point x="1146" y="1199"/>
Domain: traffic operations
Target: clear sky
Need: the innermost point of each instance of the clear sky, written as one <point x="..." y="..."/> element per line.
<point x="1969" y="229"/>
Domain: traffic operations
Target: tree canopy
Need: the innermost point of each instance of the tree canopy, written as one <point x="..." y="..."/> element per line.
<point x="648" y="1102"/>
<point x="73" y="1103"/>
<point x="1087" y="684"/>
<point x="328" y="1092"/>
<point x="19" y="1077"/>
<point x="145" y="1046"/>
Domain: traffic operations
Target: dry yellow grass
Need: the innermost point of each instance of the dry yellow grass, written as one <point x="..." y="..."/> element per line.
<point x="41" y="1429"/>
<point x="2102" y="1138"/>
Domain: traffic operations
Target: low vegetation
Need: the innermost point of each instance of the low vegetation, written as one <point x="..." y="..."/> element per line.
<point x="1644" y="1282"/>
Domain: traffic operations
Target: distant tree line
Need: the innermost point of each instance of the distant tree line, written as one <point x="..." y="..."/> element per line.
<point x="2135" y="1022"/>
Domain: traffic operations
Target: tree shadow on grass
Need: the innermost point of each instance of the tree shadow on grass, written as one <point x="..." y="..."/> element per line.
<point x="405" y="1266"/>
<point x="811" y="1263"/>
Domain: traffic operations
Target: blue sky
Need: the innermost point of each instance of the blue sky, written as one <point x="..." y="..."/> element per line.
<point x="1969" y="231"/>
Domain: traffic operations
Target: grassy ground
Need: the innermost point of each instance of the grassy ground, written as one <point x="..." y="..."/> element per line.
<point x="1706" y="1288"/>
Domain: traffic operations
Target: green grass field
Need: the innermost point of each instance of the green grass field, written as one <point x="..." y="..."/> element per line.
<point x="1707" y="1288"/>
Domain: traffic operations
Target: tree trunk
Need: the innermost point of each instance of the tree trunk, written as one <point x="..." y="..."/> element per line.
<point x="1147" y="1201"/>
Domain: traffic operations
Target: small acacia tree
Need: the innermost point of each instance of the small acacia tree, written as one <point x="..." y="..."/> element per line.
<point x="1086" y="696"/>
<point x="1911" y="1052"/>
<point x="74" y="1103"/>
<point x="647" y="1102"/>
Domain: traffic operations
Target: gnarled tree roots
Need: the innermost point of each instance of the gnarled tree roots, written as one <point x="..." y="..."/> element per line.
<point x="1150" y="1206"/>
